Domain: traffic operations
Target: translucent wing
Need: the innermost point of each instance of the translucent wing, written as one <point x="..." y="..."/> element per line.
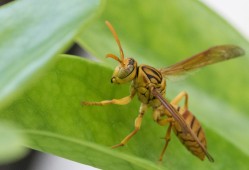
<point x="180" y="120"/>
<point x="210" y="56"/>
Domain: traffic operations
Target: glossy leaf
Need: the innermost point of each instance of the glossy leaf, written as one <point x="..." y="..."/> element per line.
<point x="60" y="125"/>
<point x="32" y="32"/>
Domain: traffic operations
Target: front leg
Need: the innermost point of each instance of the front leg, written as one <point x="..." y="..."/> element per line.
<point x="122" y="101"/>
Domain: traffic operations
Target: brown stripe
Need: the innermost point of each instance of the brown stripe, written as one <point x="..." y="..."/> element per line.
<point x="155" y="71"/>
<point x="192" y="122"/>
<point x="178" y="108"/>
<point x="198" y="132"/>
<point x="152" y="73"/>
<point x="137" y="72"/>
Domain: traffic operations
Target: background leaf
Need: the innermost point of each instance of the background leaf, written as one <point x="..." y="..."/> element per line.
<point x="32" y="33"/>
<point x="55" y="122"/>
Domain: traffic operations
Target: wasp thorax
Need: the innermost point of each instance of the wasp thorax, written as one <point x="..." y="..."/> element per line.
<point x="125" y="72"/>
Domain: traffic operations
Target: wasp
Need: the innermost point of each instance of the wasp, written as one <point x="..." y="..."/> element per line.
<point x="149" y="84"/>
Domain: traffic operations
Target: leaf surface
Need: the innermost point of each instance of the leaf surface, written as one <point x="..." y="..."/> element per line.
<point x="32" y="34"/>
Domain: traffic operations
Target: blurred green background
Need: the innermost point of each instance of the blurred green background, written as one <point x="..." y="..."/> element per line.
<point x="41" y="88"/>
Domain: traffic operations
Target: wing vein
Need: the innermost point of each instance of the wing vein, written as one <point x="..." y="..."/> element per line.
<point x="212" y="55"/>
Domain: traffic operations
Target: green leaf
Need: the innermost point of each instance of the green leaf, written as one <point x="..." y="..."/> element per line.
<point x="58" y="124"/>
<point x="157" y="33"/>
<point x="32" y="32"/>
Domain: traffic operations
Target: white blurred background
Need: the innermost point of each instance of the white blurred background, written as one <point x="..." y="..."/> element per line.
<point x="234" y="11"/>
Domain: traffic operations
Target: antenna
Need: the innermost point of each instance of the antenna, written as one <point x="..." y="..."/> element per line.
<point x="121" y="60"/>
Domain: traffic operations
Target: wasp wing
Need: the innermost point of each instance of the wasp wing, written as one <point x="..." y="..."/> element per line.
<point x="185" y="128"/>
<point x="210" y="56"/>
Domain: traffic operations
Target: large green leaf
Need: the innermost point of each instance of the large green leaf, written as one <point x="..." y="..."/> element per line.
<point x="55" y="122"/>
<point x="58" y="124"/>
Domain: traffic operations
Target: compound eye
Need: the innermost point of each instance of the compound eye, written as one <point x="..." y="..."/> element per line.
<point x="126" y="71"/>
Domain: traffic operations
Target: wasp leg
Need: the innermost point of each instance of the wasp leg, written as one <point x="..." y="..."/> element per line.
<point x="167" y="139"/>
<point x="122" y="101"/>
<point x="138" y="123"/>
<point x="178" y="98"/>
<point x="163" y="121"/>
<point x="159" y="117"/>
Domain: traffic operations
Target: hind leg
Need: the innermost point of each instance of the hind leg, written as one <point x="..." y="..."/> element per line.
<point x="163" y="121"/>
<point x="167" y="139"/>
<point x="158" y="117"/>
<point x="178" y="98"/>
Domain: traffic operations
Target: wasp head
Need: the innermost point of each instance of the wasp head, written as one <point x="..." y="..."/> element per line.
<point x="126" y="72"/>
<point x="127" y="68"/>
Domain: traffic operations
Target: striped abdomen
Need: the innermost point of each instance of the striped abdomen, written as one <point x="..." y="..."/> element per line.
<point x="186" y="139"/>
